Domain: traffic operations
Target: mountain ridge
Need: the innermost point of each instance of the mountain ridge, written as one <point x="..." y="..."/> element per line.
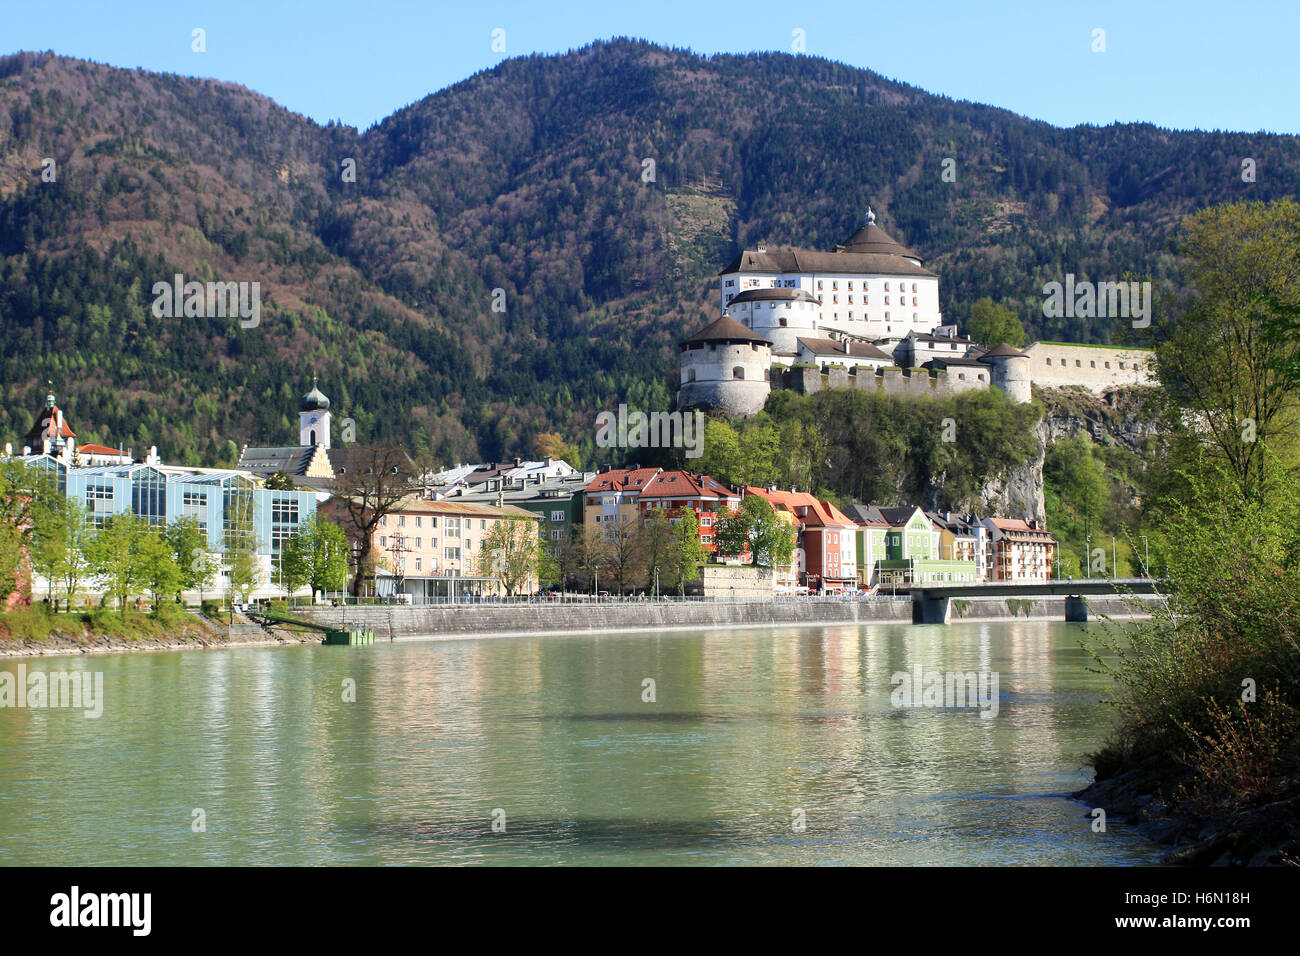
<point x="526" y="177"/>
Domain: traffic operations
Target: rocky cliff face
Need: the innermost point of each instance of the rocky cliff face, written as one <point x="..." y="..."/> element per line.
<point x="1124" y="417"/>
<point x="1019" y="492"/>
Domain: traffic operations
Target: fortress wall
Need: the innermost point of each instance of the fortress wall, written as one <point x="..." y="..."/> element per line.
<point x="1055" y="366"/>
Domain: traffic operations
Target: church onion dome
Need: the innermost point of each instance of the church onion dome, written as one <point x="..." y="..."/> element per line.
<point x="1004" y="351"/>
<point x="725" y="329"/>
<point x="780" y="295"/>
<point x="315" y="400"/>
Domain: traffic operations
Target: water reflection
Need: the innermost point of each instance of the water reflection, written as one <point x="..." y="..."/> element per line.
<point x="747" y="730"/>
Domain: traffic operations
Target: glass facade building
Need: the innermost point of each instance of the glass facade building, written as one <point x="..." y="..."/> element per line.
<point x="221" y="501"/>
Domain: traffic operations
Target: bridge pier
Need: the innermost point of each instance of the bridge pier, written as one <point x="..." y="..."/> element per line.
<point x="1076" y="608"/>
<point x="929" y="610"/>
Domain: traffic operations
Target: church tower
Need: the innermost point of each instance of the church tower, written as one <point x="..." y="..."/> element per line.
<point x="314" y="418"/>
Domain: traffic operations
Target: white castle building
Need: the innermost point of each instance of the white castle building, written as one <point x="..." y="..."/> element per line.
<point x="865" y="315"/>
<point x="870" y="286"/>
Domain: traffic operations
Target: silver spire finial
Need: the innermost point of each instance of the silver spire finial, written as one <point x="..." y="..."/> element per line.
<point x="871" y="216"/>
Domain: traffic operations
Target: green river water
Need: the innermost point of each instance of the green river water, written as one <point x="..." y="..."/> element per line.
<point x="762" y="746"/>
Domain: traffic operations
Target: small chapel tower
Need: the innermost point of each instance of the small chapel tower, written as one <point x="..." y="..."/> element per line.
<point x="314" y="418"/>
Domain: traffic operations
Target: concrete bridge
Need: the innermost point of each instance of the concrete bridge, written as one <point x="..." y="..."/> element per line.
<point x="931" y="604"/>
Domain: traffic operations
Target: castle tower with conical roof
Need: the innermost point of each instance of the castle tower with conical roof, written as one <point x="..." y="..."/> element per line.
<point x="725" y="369"/>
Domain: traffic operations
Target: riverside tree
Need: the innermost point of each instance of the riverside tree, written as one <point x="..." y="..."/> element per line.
<point x="316" y="555"/>
<point x="1219" y="353"/>
<point x="189" y="548"/>
<point x="21" y="488"/>
<point x="689" y="552"/>
<point x="114" y="557"/>
<point x="376" y="480"/>
<point x="757" y="527"/>
<point x="510" y="552"/>
<point x="159" y="573"/>
<point x="60" y="537"/>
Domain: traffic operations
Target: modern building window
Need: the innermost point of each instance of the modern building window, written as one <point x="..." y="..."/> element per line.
<point x="418" y="566"/>
<point x="451" y="554"/>
<point x="149" y="496"/>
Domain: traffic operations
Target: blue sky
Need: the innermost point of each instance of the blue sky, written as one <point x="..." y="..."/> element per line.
<point x="1190" y="64"/>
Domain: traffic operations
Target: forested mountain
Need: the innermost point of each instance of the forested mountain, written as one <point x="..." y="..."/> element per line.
<point x="526" y="178"/>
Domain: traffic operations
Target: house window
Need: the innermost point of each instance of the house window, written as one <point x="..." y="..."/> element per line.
<point x="417" y="521"/>
<point x="418" y="565"/>
<point x="557" y="515"/>
<point x="451" y="554"/>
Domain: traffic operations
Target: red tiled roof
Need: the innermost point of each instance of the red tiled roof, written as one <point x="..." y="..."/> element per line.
<point x="805" y="507"/>
<point x="622" y="479"/>
<point x="683" y="484"/>
<point x="100" y="450"/>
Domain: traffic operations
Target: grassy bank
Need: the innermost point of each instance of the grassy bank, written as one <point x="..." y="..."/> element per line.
<point x="36" y="630"/>
<point x="1207" y="752"/>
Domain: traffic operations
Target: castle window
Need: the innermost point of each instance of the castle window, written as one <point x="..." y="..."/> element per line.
<point x="1108" y="365"/>
<point x="783" y="322"/>
<point x="1121" y="364"/>
<point x="980" y="376"/>
<point x="886" y="317"/>
<point x="690" y="375"/>
<point x="850" y="313"/>
<point x="312" y="437"/>
<point x="819" y="285"/>
<point x="913" y="286"/>
<point x="738" y="372"/>
<point x="1078" y="364"/>
<point x="1049" y="361"/>
<point x="962" y="376"/>
<point x="886" y="286"/>
<point x="886" y="300"/>
<point x="1092" y="364"/>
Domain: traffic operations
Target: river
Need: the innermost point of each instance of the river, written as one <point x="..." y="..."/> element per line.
<point x="760" y="746"/>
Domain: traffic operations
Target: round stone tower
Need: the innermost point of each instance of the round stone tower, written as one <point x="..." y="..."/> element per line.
<point x="1009" y="371"/>
<point x="725" y="369"/>
<point x="779" y="315"/>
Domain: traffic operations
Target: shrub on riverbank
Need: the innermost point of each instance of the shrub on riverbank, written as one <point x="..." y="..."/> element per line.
<point x="1208" y="687"/>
